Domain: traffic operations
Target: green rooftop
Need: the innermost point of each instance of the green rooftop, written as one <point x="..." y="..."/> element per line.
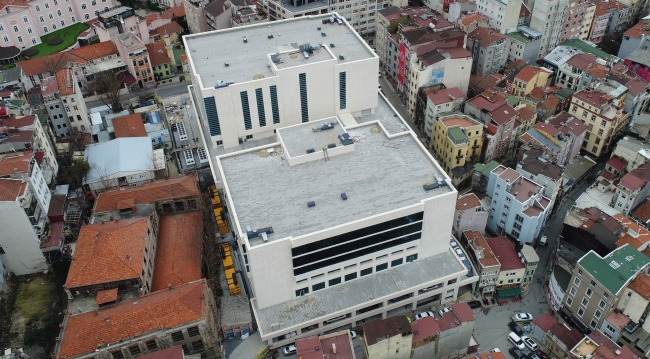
<point x="457" y="135"/>
<point x="564" y="93"/>
<point x="485" y="169"/>
<point x="513" y="100"/>
<point x="585" y="47"/>
<point x="519" y="37"/>
<point x="42" y="119"/>
<point x="615" y="269"/>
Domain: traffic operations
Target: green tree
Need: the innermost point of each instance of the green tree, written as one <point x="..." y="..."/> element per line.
<point x="75" y="173"/>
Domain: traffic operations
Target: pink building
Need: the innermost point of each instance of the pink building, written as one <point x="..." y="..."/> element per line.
<point x="120" y="20"/>
<point x="23" y="23"/>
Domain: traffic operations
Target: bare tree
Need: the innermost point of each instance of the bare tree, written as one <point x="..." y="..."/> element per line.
<point x="108" y="85"/>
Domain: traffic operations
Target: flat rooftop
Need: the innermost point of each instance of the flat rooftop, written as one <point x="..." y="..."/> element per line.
<point x="296" y="58"/>
<point x="298" y="139"/>
<point x="380" y="174"/>
<point x="386" y="115"/>
<point x="340" y="298"/>
<point x="249" y="61"/>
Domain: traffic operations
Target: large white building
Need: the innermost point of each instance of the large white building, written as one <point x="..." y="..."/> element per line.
<point x="547" y="18"/>
<point x="269" y="76"/>
<point x="343" y="218"/>
<point x="518" y="206"/>
<point x="503" y="15"/>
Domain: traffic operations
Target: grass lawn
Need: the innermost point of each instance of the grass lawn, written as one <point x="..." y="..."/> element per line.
<point x="67" y="34"/>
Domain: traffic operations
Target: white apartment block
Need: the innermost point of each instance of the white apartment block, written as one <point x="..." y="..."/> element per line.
<point x="269" y="76"/>
<point x="23" y="23"/>
<point x="503" y="15"/>
<point x="518" y="206"/>
<point x="322" y="234"/>
<point x="548" y="18"/>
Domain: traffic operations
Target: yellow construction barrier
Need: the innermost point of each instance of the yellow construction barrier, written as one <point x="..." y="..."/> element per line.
<point x="229" y="269"/>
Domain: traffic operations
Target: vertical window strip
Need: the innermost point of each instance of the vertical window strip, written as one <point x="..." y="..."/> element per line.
<point x="260" y="107"/>
<point x="274" y="104"/>
<point x="342" y="92"/>
<point x="213" y="116"/>
<point x="246" y="110"/>
<point x="304" y="109"/>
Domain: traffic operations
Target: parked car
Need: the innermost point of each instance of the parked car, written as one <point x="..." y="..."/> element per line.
<point x="543" y="241"/>
<point x="496" y="350"/>
<point x="444" y="310"/>
<point x="353" y="334"/>
<point x="529" y="343"/>
<point x="523" y="317"/>
<point x="460" y="254"/>
<point x="423" y="315"/>
<point x="290" y="349"/>
<point x="474" y="304"/>
<point x="453" y="243"/>
<point x="515" y="328"/>
<point x="532" y="355"/>
<point x="516" y="340"/>
<point x="517" y="353"/>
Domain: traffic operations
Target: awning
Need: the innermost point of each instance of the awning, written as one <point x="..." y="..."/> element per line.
<point x="509" y="292"/>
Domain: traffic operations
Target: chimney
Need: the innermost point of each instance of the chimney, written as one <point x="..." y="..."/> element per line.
<point x="169" y="286"/>
<point x="334" y="348"/>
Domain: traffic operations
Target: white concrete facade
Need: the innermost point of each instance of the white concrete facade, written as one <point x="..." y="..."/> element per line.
<point x="547" y="18"/>
<point x="503" y="15"/>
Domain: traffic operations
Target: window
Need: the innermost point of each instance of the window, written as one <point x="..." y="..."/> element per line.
<point x="366" y="271"/>
<point x="193" y="331"/>
<point x="20" y="39"/>
<point x="38" y="8"/>
<point x="260" y="107"/>
<point x="351" y="276"/>
<point x="73" y="20"/>
<point x="302" y="292"/>
<point x="396" y="262"/>
<point x="45" y="30"/>
<point x="5" y="38"/>
<point x="177" y="336"/>
<point x="93" y="3"/>
<point x="69" y="8"/>
<point x="151" y="345"/>
<point x="593" y="324"/>
<point x="318" y="286"/>
<point x="134" y="350"/>
<point x="83" y="6"/>
<point x="58" y="12"/>
<point x="86" y="16"/>
<point x="342" y="91"/>
<point x="245" y="110"/>
<point x="197" y="345"/>
<point x="274" y="104"/>
<point x="573" y="291"/>
<point x="601" y="304"/>
<point x="50" y="16"/>
<point x="29" y="30"/>
<point x="62" y="23"/>
<point x="581" y="312"/>
<point x="334" y="281"/>
<point x="589" y="292"/>
<point x="25" y="20"/>
<point x="304" y="106"/>
<point x="42" y="20"/>
<point x="597" y="314"/>
<point x="585" y="302"/>
<point x="381" y="267"/>
<point x="15" y="28"/>
<point x="117" y="354"/>
<point x="577" y="282"/>
<point x="569" y="301"/>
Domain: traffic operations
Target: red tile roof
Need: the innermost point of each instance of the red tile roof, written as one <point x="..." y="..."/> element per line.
<point x="545" y="127"/>
<point x="59" y="60"/>
<point x="445" y="95"/>
<point x="642" y="212"/>
<point x="170" y="28"/>
<point x="485" y="36"/>
<point x="527" y="114"/>
<point x="18" y="122"/>
<point x="524" y="12"/>
<point x="467" y="201"/>
<point x="463" y="312"/>
<point x="169" y="353"/>
<point x="567" y="335"/>
<point x="632" y="180"/>
<point x="448" y="321"/>
<point x="10" y="189"/>
<point x="470" y="19"/>
<point x="178" y="256"/>
<point x="55" y="239"/>
<point x="106" y="296"/>
<point x="424" y="328"/>
<point x="478" y="243"/>
<point x="505" y="253"/>
<point x="503" y="114"/>
<point x="108" y="252"/>
<point x="617" y="163"/>
<point x="618" y="320"/>
<point x="636" y="86"/>
<point x="309" y="348"/>
<point x="129" y="126"/>
<point x="342" y="342"/>
<point x="158" y="53"/>
<point x="377" y="330"/>
<point x="481" y="102"/>
<point x="165" y="309"/>
<point x="178" y="187"/>
<point x="582" y="61"/>
<point x="495" y="355"/>
<point x="545" y="322"/>
<point x="151" y="18"/>
<point x="65" y="81"/>
<point x="20" y="163"/>
<point x="641" y="285"/>
<point x="529" y="72"/>
<point x="638" y="31"/>
<point x="172" y="12"/>
<point x="567" y="123"/>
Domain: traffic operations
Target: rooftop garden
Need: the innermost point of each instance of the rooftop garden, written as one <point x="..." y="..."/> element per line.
<point x="56" y="41"/>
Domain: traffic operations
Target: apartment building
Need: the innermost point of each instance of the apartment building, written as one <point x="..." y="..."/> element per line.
<point x="72" y="101"/>
<point x="489" y="50"/>
<point x="548" y="19"/>
<point x="632" y="189"/>
<point x="24" y="204"/>
<point x="431" y="102"/>
<point x="574" y="19"/>
<point x="388" y="338"/>
<point x="636" y="37"/>
<point x="499" y="120"/>
<point x="121" y="20"/>
<point x="471" y="214"/>
<point x="573" y="130"/>
<point x="529" y="78"/>
<point x="30" y="135"/>
<point x="456" y="141"/>
<point x="23" y="23"/>
<point x="524" y="44"/>
<point x="531" y="260"/>
<point x="250" y="94"/>
<point x="628" y="155"/>
<point x="503" y="15"/>
<point x="588" y="20"/>
<point x="184" y="317"/>
<point x="471" y="21"/>
<point x="629" y="326"/>
<point x="544" y="173"/>
<point x="441" y="66"/>
<point x="619" y="15"/>
<point x="597" y="284"/>
<point x="600" y="24"/>
<point x="602" y="111"/>
<point x="481" y="255"/>
<point x="133" y="52"/>
<point x="195" y="14"/>
<point x="512" y="270"/>
<point x="518" y="206"/>
<point x="576" y="73"/>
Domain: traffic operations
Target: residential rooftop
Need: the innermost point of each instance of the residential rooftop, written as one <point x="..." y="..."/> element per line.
<point x="616" y="269"/>
<point x="468" y="201"/>
<point x="505" y="253"/>
<point x="333" y="300"/>
<point x="249" y="60"/>
<point x="268" y="192"/>
<point x="377" y="330"/>
<point x="481" y="248"/>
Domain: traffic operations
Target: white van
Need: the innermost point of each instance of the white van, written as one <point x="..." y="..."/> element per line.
<point x="514" y="339"/>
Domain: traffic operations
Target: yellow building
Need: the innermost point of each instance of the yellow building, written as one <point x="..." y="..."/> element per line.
<point x="603" y="114"/>
<point x="587" y="21"/>
<point x="529" y="78"/>
<point x="456" y="141"/>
